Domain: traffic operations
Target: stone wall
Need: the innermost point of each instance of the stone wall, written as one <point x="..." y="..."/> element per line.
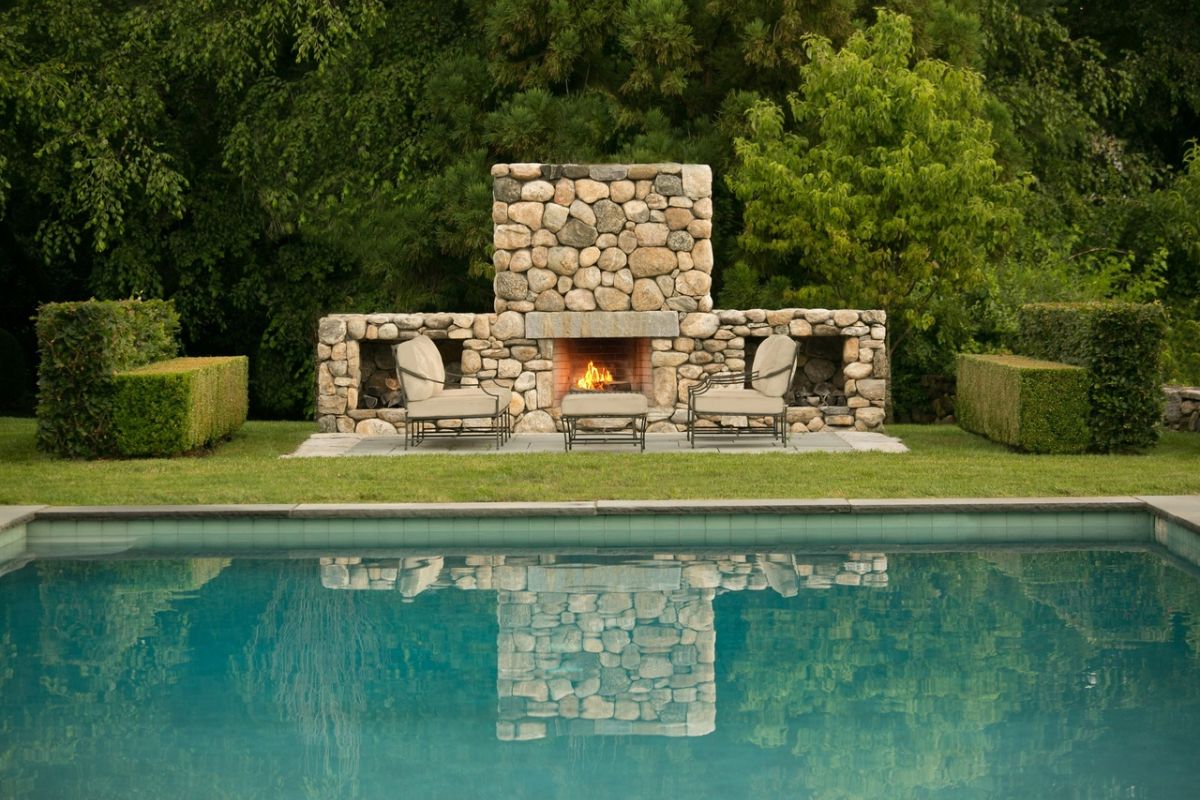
<point x="1182" y="409"/>
<point x="606" y="237"/>
<point x="624" y="648"/>
<point x="495" y="348"/>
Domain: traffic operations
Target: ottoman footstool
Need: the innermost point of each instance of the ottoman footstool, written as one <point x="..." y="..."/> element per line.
<point x="630" y="406"/>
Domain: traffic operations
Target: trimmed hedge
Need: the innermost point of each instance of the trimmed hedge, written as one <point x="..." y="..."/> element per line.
<point x="80" y="346"/>
<point x="1036" y="406"/>
<point x="1120" y="346"/>
<point x="174" y="406"/>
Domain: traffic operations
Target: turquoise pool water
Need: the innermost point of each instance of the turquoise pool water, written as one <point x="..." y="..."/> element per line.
<point x="991" y="674"/>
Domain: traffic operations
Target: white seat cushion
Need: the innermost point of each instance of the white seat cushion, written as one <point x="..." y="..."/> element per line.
<point x="599" y="404"/>
<point x="460" y="403"/>
<point x="736" y="402"/>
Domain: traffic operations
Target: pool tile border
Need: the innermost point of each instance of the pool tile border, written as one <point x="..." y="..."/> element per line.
<point x="1172" y="523"/>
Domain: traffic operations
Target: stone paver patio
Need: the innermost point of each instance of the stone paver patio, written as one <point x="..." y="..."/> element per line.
<point x="348" y="444"/>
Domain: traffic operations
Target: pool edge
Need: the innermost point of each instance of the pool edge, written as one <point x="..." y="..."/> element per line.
<point x="1172" y="522"/>
<point x="1184" y="509"/>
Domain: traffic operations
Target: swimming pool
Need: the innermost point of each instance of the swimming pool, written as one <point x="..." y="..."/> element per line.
<point x="827" y="671"/>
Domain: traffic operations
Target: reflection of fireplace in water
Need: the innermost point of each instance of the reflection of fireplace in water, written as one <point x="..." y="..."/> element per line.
<point x="613" y="365"/>
<point x="595" y="645"/>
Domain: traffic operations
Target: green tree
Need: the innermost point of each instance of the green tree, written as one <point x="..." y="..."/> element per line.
<point x="262" y="162"/>
<point x="883" y="189"/>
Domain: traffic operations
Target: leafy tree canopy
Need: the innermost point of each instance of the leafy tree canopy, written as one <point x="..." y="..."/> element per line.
<point x="883" y="189"/>
<point x="264" y="162"/>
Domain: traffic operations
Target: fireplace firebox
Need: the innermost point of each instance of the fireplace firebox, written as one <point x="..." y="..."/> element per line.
<point x="602" y="364"/>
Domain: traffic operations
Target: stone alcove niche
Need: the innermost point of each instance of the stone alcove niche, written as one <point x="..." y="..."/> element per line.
<point x="820" y="380"/>
<point x="378" y="387"/>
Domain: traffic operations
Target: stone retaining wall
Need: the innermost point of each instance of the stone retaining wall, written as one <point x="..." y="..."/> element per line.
<point x="606" y="648"/>
<point x="495" y="348"/>
<point x="1182" y="409"/>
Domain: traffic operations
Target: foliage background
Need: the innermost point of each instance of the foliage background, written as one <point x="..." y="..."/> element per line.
<point x="262" y="162"/>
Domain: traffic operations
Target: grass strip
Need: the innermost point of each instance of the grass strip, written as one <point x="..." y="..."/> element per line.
<point x="944" y="462"/>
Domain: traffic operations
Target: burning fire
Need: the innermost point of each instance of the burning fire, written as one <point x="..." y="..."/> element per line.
<point x="594" y="379"/>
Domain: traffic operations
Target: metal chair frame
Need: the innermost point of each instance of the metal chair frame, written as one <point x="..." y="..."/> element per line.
<point x="778" y="428"/>
<point x="636" y="435"/>
<point x="418" y="429"/>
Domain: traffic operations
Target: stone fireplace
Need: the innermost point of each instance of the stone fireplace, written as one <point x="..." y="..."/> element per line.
<point x="608" y="264"/>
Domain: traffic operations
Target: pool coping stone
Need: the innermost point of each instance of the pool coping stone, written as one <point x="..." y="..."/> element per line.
<point x="997" y="504"/>
<point x="1184" y="509"/>
<point x="250" y="510"/>
<point x="1181" y="509"/>
<point x="11" y="516"/>
<point x="440" y="510"/>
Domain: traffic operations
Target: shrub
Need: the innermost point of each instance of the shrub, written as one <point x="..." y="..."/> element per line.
<point x="174" y="406"/>
<point x="80" y="346"/>
<point x="1119" y="344"/>
<point x="1037" y="406"/>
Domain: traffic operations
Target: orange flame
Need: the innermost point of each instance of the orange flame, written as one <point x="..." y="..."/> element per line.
<point x="594" y="379"/>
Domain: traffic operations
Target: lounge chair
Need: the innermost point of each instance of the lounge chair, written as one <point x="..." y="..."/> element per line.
<point x="482" y="409"/>
<point x="722" y="394"/>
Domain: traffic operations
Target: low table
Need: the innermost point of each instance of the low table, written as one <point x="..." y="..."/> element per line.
<point x="577" y="406"/>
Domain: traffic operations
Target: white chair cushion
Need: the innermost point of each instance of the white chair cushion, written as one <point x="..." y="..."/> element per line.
<point x="736" y="402"/>
<point x="421" y="356"/>
<point x="777" y="353"/>
<point x="599" y="404"/>
<point x="460" y="403"/>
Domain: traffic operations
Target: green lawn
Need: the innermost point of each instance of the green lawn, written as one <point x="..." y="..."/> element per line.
<point x="944" y="462"/>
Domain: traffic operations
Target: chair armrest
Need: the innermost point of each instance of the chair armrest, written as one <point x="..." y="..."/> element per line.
<point x="484" y="389"/>
<point x="710" y="379"/>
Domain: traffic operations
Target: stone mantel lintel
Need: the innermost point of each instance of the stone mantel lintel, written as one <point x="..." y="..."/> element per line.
<point x="600" y="324"/>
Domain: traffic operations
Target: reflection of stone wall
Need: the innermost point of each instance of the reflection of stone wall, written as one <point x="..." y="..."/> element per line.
<point x="606" y="647"/>
<point x="614" y="662"/>
<point x="724" y="573"/>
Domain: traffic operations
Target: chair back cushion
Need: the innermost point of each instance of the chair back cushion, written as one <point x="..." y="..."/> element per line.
<point x="777" y="354"/>
<point x="421" y="356"/>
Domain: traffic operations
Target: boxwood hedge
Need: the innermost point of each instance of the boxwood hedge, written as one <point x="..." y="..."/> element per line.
<point x="1036" y="406"/>
<point x="1120" y="345"/>
<point x="80" y="346"/>
<point x="171" y="407"/>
